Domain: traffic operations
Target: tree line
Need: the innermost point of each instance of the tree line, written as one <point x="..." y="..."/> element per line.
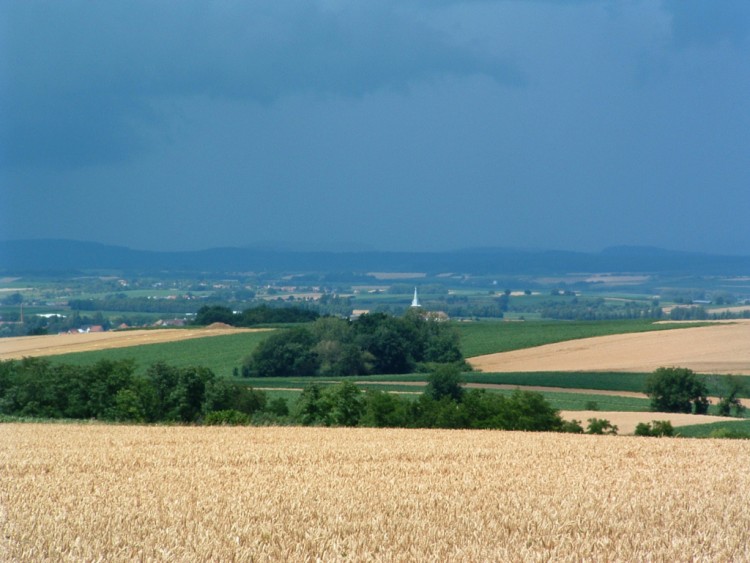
<point x="135" y="305"/>
<point x="111" y="391"/>
<point x="262" y="314"/>
<point x="443" y="404"/>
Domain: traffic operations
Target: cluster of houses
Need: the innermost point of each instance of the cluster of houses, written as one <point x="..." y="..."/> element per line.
<point x="161" y="323"/>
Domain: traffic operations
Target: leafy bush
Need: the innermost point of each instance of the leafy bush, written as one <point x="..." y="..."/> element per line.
<point x="382" y="410"/>
<point x="600" y="426"/>
<point x="572" y="427"/>
<point x="730" y="388"/>
<point x="279" y="407"/>
<point x="654" y="428"/>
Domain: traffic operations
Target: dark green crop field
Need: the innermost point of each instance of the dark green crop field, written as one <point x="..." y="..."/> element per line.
<point x="219" y="353"/>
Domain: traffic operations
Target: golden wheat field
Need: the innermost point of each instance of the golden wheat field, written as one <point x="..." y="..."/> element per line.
<point x="118" y="493"/>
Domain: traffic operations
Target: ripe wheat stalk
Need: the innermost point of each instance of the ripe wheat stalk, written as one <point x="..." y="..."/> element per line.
<point x="120" y="493"/>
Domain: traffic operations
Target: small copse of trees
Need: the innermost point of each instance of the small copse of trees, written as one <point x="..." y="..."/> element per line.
<point x="674" y="389"/>
<point x="376" y="343"/>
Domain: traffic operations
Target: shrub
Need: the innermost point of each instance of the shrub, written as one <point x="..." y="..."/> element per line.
<point x="279" y="407"/>
<point x="600" y="426"/>
<point x="654" y="428"/>
<point x="384" y="410"/>
<point x="572" y="427"/>
<point x="730" y="388"/>
<point x="229" y="417"/>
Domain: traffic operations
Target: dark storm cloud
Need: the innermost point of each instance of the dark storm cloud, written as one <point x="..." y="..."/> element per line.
<point x="395" y="123"/>
<point x="84" y="77"/>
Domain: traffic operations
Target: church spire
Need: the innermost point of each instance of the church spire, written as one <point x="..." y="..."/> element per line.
<point x="415" y="301"/>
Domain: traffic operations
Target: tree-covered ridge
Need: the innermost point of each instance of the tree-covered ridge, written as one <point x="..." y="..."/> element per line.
<point x="263" y="314"/>
<point x="374" y="343"/>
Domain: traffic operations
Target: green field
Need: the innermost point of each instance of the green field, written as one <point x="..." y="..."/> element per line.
<point x="717" y="429"/>
<point x="219" y="353"/>
<point x="602" y="381"/>
<point x="478" y="338"/>
<point x="561" y="401"/>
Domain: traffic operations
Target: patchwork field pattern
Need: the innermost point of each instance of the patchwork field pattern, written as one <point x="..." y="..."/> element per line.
<point x="97" y="492"/>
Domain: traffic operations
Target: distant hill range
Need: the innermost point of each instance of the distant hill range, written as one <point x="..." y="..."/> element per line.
<point x="39" y="256"/>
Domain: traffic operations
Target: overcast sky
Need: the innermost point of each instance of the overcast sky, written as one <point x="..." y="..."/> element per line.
<point x="389" y="124"/>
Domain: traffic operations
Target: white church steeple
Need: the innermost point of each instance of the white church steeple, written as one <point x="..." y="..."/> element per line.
<point x="415" y="301"/>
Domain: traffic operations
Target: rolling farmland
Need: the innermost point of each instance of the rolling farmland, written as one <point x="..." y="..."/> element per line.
<point x="719" y="348"/>
<point x="35" y="346"/>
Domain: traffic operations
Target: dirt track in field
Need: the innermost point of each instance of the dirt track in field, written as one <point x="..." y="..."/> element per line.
<point x="50" y="345"/>
<point x="719" y="348"/>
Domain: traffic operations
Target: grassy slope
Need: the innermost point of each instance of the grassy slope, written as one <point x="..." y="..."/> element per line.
<point x="219" y="353"/>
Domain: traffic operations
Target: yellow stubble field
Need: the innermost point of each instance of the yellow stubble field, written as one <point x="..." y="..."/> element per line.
<point x="72" y="492"/>
<point x="721" y="348"/>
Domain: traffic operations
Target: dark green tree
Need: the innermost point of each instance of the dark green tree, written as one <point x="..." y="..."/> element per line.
<point x="383" y="409"/>
<point x="730" y="389"/>
<point x="343" y="404"/>
<point x="209" y="314"/>
<point x="179" y="392"/>
<point x="677" y="390"/>
<point x="288" y="353"/>
<point x="445" y="381"/>
<point x="224" y="395"/>
<point x="309" y="408"/>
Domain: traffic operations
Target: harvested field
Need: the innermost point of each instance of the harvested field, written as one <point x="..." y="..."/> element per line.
<point x="96" y="492"/>
<point x="16" y="348"/>
<point x="719" y="348"/>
